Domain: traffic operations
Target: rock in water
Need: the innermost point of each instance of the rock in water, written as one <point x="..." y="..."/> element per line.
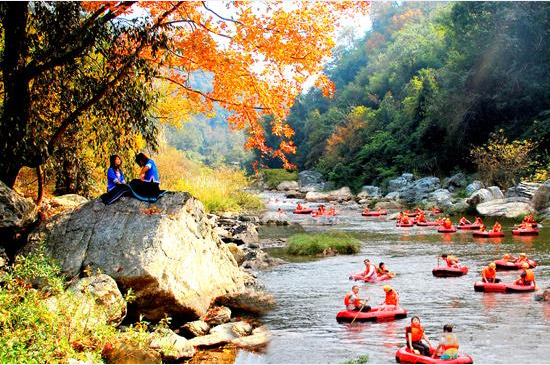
<point x="167" y="252"/>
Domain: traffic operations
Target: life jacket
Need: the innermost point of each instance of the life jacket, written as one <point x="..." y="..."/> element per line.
<point x="370" y="270"/>
<point x="489" y="273"/>
<point x="415" y="331"/>
<point x="529" y="276"/>
<point x="348" y="301"/>
<point x="391" y="298"/>
<point x="379" y="271"/>
<point x="463" y="221"/>
<point x="405" y="219"/>
<point x="478" y="221"/>
<point x="450" y="342"/>
<point x="447" y="223"/>
<point x="497" y="227"/>
<point x="299" y="207"/>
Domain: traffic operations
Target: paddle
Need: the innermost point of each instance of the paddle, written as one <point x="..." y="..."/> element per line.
<point x="360" y="309"/>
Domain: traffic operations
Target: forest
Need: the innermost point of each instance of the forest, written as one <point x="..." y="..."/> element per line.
<point x="425" y="86"/>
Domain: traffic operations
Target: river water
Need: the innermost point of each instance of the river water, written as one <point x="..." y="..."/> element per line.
<point x="491" y="327"/>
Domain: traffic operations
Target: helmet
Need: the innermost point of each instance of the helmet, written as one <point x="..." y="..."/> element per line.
<point x="525" y="265"/>
<point x="507" y="255"/>
<point x="492" y="265"/>
<point x="522" y="254"/>
<point x="386" y="288"/>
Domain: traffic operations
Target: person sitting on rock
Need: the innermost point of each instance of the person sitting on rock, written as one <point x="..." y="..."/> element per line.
<point x="489" y="274"/>
<point x="381" y="270"/>
<point x="115" y="176"/>
<point x="527" y="277"/>
<point x="478" y="221"/>
<point x="448" y="345"/>
<point x="463" y="222"/>
<point x="392" y="298"/>
<point x="354" y="303"/>
<point x="497" y="227"/>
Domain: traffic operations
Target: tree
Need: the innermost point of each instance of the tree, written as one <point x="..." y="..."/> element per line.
<point x="258" y="60"/>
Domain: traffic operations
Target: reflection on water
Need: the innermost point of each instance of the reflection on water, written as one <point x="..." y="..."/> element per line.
<point x="492" y="327"/>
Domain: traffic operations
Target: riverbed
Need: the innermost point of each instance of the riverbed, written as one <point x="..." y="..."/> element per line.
<point x="491" y="327"/>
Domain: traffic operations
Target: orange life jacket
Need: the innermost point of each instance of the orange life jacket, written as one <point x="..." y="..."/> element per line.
<point x="529" y="276"/>
<point x="416" y="332"/>
<point x="453" y="343"/>
<point x="497" y="227"/>
<point x="478" y="221"/>
<point x="299" y="207"/>
<point x="347" y="300"/>
<point x="447" y="223"/>
<point x="489" y="273"/>
<point x="391" y="298"/>
<point x="405" y="219"/>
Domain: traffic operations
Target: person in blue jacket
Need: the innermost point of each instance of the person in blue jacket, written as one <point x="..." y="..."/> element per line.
<point x="149" y="172"/>
<point x="147" y="187"/>
<point x="115" y="176"/>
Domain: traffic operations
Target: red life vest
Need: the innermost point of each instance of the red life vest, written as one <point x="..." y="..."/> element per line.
<point x="356" y="301"/>
<point x="489" y="273"/>
<point x="416" y="332"/>
<point x="391" y="298"/>
<point x="529" y="276"/>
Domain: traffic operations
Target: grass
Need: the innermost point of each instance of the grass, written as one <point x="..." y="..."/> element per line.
<point x="219" y="189"/>
<point x="320" y="243"/>
<point x="362" y="359"/>
<point x="33" y="332"/>
<point x="274" y="177"/>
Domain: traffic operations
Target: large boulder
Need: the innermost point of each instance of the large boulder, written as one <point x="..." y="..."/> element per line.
<point x="441" y="198"/>
<point x="509" y="208"/>
<point x="496" y="192"/>
<point x="250" y="301"/>
<point x="275" y="218"/>
<point x="419" y="190"/>
<point x="171" y="346"/>
<point x="473" y="187"/>
<point x="455" y="182"/>
<point x="369" y="191"/>
<point x="342" y="194"/>
<point x="523" y="189"/>
<point x="68" y="200"/>
<point x="308" y="177"/>
<point x="312" y="188"/>
<point x="480" y="196"/>
<point x="314" y="196"/>
<point x="541" y="198"/>
<point x="288" y="185"/>
<point x="390" y="204"/>
<point x="401" y="182"/>
<point x="168" y="253"/>
<point x="15" y="210"/>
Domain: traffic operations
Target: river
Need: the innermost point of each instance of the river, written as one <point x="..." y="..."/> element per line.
<point x="491" y="327"/>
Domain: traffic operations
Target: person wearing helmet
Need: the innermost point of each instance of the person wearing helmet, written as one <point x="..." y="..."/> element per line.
<point x="522" y="258"/>
<point x="507" y="257"/>
<point x="452" y="261"/>
<point x="489" y="274"/>
<point x="527" y="276"/>
<point x="392" y="298"/>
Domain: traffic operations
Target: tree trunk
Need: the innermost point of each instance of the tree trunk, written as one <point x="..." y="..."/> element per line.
<point x="15" y="114"/>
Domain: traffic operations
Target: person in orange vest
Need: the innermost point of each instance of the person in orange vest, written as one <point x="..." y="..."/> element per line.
<point x="489" y="274"/>
<point x="463" y="221"/>
<point x="405" y="219"/>
<point x="370" y="269"/>
<point x="522" y="258"/>
<point x="381" y="270"/>
<point x="478" y="221"/>
<point x="527" y="277"/>
<point x="415" y="334"/>
<point x="448" y="345"/>
<point x="497" y="227"/>
<point x="321" y="210"/>
<point x="366" y="210"/>
<point x="354" y="303"/>
<point x="391" y="300"/>
<point x="421" y="217"/>
<point x="482" y="228"/>
<point x="507" y="257"/>
<point x="453" y="261"/>
<point x="529" y="218"/>
<point x="331" y="211"/>
<point x="447" y="223"/>
<point x="299" y="207"/>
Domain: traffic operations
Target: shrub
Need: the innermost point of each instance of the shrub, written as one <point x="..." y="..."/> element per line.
<point x="362" y="359"/>
<point x="274" y="177"/>
<point x="304" y="244"/>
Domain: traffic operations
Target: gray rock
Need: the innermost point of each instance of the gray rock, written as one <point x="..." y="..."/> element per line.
<point x="440" y="198"/>
<point x="217" y="315"/>
<point x="342" y="194"/>
<point x="459" y="207"/>
<point x="68" y="201"/>
<point x="419" y="190"/>
<point x="241" y="329"/>
<point x="259" y="339"/>
<point x="274" y="218"/>
<point x="308" y="177"/>
<point x="523" y="189"/>
<point x="160" y="253"/>
<point x="196" y="328"/>
<point x="497" y="193"/>
<point x="455" y="181"/>
<point x="473" y="187"/>
<point x="504" y="208"/>
<point x="370" y="191"/>
<point x="394" y="195"/>
<point x="288" y="185"/>
<point x="480" y="196"/>
<point x="219" y="335"/>
<point x="314" y="196"/>
<point x="15" y="210"/>
<point x="171" y="346"/>
<point x="312" y="188"/>
<point x="541" y="198"/>
<point x="250" y="301"/>
<point x="392" y="204"/>
<point x="401" y="182"/>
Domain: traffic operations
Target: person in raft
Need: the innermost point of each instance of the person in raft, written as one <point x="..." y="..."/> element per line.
<point x="391" y="300"/>
<point x="527" y="277"/>
<point x="478" y="221"/>
<point x="507" y="257"/>
<point x="522" y="258"/>
<point x="299" y="207"/>
<point x="370" y="270"/>
<point x="354" y="303"/>
<point x="415" y="334"/>
<point x="405" y="219"/>
<point x="421" y="217"/>
<point x="448" y="344"/>
<point x="463" y="221"/>
<point x="447" y="223"/>
<point x="489" y="274"/>
<point x="381" y="270"/>
<point x="497" y="227"/>
<point x="115" y="176"/>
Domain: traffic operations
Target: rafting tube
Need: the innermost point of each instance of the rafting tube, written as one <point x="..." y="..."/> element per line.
<point x="303" y="211"/>
<point x="404" y="224"/>
<point x="507" y="265"/>
<point x="436" y="211"/>
<point x="374" y="213"/>
<point x="424" y="224"/>
<point x="376" y="314"/>
<point x="502" y="287"/>
<point x="361" y="276"/>
<point x="525" y="232"/>
<point x="488" y="234"/>
<point x="469" y="226"/>
<point x="447" y="230"/>
<point x="406" y="356"/>
<point x="411" y="214"/>
<point x="447" y="271"/>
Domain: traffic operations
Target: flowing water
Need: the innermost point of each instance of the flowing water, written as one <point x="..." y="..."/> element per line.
<point x="491" y="327"/>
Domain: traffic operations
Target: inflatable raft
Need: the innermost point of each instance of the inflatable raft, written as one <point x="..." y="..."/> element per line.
<point x="303" y="211"/>
<point x="374" y="213"/>
<point x="406" y="356"/>
<point x="469" y="226"/>
<point x="361" y="276"/>
<point x="502" y="287"/>
<point x="404" y="224"/>
<point x="488" y="234"/>
<point x="446" y="271"/>
<point x="423" y="224"/>
<point x="374" y="315"/>
<point x="525" y="232"/>
<point x="446" y="230"/>
<point x="507" y="265"/>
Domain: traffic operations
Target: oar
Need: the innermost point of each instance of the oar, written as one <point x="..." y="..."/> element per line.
<point x="360" y="309"/>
